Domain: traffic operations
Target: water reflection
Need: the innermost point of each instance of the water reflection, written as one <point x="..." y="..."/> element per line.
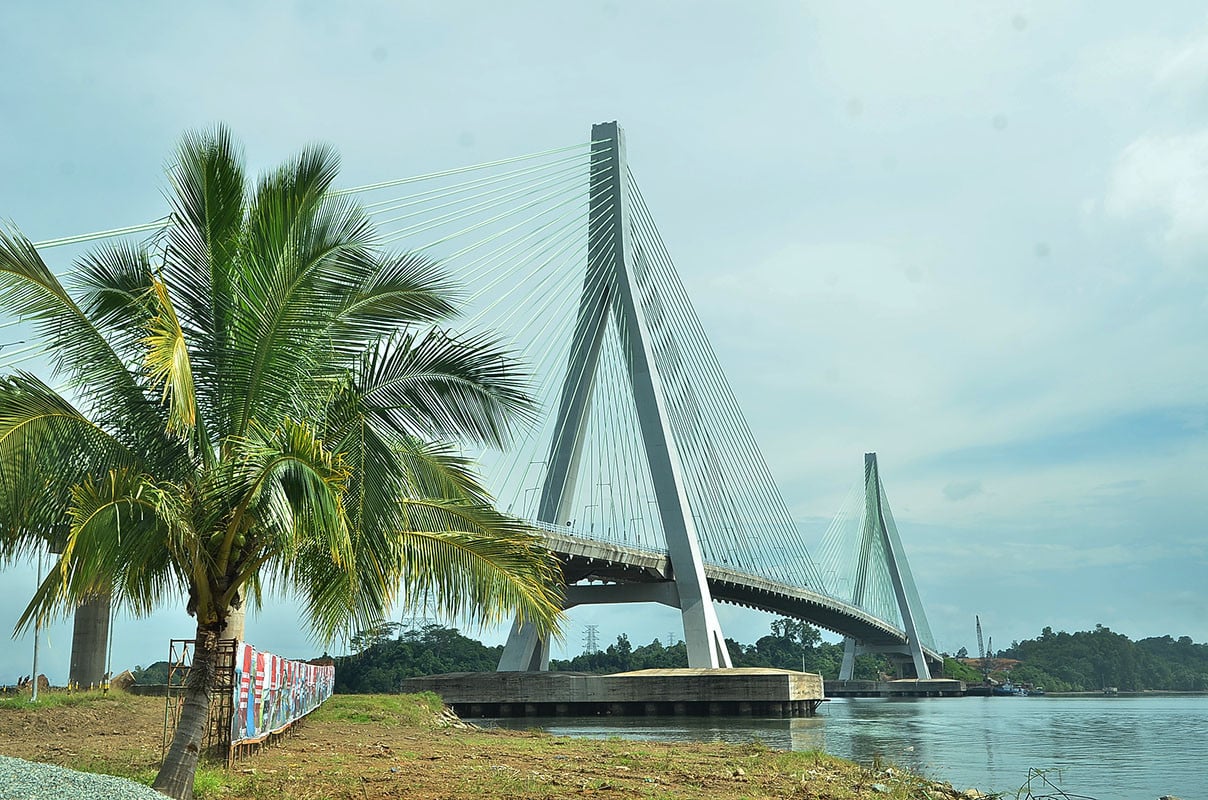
<point x="1106" y="748"/>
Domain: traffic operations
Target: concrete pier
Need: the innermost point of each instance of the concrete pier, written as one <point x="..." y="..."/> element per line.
<point x="745" y="691"/>
<point x="937" y="687"/>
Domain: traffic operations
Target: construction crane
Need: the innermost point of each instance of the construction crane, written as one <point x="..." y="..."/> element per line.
<point x="982" y="653"/>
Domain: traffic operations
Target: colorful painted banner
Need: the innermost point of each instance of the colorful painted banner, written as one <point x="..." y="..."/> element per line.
<point x="272" y="692"/>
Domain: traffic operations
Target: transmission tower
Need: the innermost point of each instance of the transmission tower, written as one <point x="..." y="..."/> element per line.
<point x="591" y="642"/>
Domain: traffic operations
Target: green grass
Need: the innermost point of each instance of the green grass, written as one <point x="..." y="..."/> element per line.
<point x="961" y="672"/>
<point x="56" y="699"/>
<point x="390" y="711"/>
<point x="211" y="780"/>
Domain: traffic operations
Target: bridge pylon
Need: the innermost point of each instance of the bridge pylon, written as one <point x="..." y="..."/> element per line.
<point x="877" y="537"/>
<point x="611" y="290"/>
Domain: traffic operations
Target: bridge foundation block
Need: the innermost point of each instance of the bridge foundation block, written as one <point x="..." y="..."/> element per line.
<point x="652" y="692"/>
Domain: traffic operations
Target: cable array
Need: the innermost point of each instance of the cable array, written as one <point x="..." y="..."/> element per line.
<point x="518" y="238"/>
<point x="922" y="626"/>
<point x="516" y="241"/>
<point x="740" y="514"/>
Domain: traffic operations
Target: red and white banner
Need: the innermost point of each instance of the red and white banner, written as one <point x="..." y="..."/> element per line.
<point x="272" y="692"/>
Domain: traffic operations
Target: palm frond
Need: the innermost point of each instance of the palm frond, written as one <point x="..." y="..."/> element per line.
<point x="435" y="385"/>
<point x="463" y="560"/>
<point x="291" y="490"/>
<point x="115" y="544"/>
<point x="437" y="469"/>
<point x="46" y="447"/>
<point x="480" y="566"/>
<point x="167" y="360"/>
<point x="113" y="396"/>
<point x="303" y="251"/>
<point x="115" y="280"/>
<point x="402" y="291"/>
<point x="202" y="254"/>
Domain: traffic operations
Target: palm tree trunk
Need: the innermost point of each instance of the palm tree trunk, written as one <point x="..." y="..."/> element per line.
<point x="234" y="623"/>
<point x="89" y="642"/>
<point x="175" y="777"/>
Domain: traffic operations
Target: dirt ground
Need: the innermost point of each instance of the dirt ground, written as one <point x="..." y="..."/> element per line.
<point x="121" y="727"/>
<point x="350" y="752"/>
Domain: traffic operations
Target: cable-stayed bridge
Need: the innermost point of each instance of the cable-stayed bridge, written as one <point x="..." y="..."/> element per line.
<point x="639" y="467"/>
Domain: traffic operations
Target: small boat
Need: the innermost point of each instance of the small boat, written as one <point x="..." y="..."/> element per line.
<point x="1010" y="690"/>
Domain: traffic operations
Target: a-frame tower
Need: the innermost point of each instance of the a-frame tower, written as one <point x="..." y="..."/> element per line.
<point x="610" y="288"/>
<point x="876" y="537"/>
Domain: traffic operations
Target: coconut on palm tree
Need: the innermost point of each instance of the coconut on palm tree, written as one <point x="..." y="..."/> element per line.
<point x="265" y="400"/>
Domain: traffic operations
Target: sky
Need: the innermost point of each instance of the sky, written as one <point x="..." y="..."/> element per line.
<point x="969" y="237"/>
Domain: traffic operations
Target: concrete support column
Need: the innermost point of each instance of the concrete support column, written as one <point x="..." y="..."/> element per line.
<point x="525" y="651"/>
<point x="848" y="668"/>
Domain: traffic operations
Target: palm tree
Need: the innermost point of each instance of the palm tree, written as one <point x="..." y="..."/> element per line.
<point x="264" y="401"/>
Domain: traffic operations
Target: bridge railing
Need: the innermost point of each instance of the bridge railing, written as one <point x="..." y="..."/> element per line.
<point x="578" y="533"/>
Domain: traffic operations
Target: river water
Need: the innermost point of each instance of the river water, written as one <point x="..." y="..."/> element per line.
<point x="1107" y="748"/>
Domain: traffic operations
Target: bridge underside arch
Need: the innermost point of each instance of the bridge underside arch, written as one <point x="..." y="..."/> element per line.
<point x="604" y="573"/>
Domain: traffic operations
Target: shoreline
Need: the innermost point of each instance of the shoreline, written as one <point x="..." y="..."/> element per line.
<point x="1137" y="693"/>
<point x="375" y="747"/>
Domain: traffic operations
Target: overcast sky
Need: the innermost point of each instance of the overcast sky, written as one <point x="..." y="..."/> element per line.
<point x="972" y="237"/>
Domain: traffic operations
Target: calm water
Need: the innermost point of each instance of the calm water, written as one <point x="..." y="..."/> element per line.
<point x="1108" y="748"/>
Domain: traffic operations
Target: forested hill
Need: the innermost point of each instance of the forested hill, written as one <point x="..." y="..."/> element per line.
<point x="1094" y="660"/>
<point x="389" y="653"/>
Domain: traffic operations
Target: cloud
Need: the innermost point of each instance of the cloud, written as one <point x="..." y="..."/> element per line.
<point x="959" y="490"/>
<point x="1183" y="73"/>
<point x="1162" y="180"/>
<point x="1159" y="181"/>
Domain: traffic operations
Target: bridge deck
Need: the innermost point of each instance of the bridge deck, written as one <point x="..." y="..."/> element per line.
<point x="609" y="561"/>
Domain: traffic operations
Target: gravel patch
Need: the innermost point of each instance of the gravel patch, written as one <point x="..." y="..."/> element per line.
<point x="28" y="780"/>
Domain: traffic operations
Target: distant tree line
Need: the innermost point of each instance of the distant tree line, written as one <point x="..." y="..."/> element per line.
<point x="156" y="673"/>
<point x="792" y="644"/>
<point x="390" y="652"/>
<point x="1060" y="662"/>
<point x="1094" y="660"/>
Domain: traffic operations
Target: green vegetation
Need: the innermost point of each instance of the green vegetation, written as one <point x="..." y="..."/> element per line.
<point x="388" y="653"/>
<point x="260" y="398"/>
<point x="59" y="699"/>
<point x="1093" y="660"/>
<point x="390" y="710"/>
<point x="1060" y="662"/>
<point x="157" y="673"/>
<point x="792" y="644"/>
<point x="960" y="671"/>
